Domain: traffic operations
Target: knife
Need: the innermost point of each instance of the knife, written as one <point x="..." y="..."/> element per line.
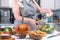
<point x="54" y="35"/>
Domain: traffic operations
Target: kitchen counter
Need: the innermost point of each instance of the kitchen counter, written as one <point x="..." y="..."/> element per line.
<point x="44" y="38"/>
<point x="5" y="7"/>
<point x="6" y="24"/>
<point x="28" y="38"/>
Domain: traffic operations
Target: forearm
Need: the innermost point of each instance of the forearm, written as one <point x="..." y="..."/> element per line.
<point x="38" y="7"/>
<point x="43" y="10"/>
<point x="19" y="18"/>
<point x="17" y="11"/>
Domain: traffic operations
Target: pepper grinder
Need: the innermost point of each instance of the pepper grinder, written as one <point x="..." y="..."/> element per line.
<point x="22" y="7"/>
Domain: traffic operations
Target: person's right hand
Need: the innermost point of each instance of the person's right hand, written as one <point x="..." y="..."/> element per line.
<point x="33" y="22"/>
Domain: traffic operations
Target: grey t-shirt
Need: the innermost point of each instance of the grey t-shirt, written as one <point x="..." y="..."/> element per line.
<point x="28" y="8"/>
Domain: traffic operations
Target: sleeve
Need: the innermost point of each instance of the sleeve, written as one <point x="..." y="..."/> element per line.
<point x="20" y="3"/>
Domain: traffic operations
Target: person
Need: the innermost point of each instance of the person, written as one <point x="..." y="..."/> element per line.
<point x="29" y="9"/>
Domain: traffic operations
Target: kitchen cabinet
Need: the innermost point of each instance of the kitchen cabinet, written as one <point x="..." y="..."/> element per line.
<point x="50" y="4"/>
<point x="6" y="16"/>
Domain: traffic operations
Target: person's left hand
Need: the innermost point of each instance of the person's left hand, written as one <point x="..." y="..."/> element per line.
<point x="47" y="11"/>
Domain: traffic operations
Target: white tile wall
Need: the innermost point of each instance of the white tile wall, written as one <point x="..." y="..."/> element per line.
<point x="57" y="4"/>
<point x="4" y="2"/>
<point x="10" y="3"/>
<point x="50" y="4"/>
<point x="47" y="4"/>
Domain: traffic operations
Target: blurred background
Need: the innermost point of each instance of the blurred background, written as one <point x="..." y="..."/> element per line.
<point x="6" y="14"/>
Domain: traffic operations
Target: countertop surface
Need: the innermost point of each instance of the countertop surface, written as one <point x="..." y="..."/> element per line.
<point x="28" y="38"/>
<point x="44" y="38"/>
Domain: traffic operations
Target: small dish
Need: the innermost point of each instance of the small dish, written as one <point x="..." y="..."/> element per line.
<point x="5" y="36"/>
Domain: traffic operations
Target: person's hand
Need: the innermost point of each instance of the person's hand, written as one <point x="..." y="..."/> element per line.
<point x="47" y="11"/>
<point x="33" y="22"/>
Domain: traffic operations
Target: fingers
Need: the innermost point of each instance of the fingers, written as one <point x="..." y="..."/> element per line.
<point x="49" y="13"/>
<point x="43" y="10"/>
<point x="34" y="24"/>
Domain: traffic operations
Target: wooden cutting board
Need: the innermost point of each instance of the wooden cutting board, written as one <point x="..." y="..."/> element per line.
<point x="8" y="39"/>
